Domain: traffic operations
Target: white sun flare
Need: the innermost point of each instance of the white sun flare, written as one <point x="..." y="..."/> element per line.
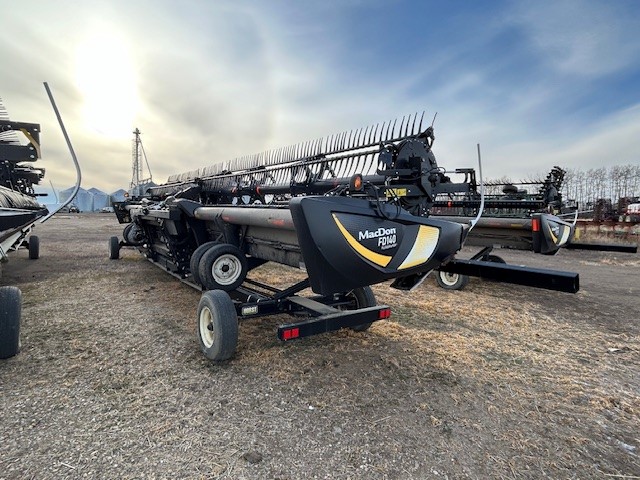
<point x="106" y="77"/>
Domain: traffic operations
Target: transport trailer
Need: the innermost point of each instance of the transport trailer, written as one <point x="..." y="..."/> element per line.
<point x="19" y="212"/>
<point x="351" y="210"/>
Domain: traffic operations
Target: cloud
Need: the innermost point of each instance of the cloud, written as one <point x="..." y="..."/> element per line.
<point x="581" y="37"/>
<point x="223" y="79"/>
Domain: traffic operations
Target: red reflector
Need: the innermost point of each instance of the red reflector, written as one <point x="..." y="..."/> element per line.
<point x="291" y="333"/>
<point x="535" y="225"/>
<point x="449" y="204"/>
<point x="384" y="313"/>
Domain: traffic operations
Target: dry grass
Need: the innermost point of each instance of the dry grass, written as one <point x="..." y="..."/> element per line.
<point x="491" y="382"/>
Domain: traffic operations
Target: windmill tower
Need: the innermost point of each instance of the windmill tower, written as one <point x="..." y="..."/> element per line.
<point x="138" y="182"/>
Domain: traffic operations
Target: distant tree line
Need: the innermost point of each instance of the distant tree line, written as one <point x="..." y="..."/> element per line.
<point x="587" y="188"/>
<point x="615" y="187"/>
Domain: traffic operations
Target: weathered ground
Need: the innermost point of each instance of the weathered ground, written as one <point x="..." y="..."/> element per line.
<point x="491" y="382"/>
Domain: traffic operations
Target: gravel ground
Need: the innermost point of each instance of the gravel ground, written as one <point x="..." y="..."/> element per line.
<point x="495" y="381"/>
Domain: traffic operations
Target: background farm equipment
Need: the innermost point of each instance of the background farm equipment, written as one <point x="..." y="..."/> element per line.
<point x="19" y="211"/>
<point x="515" y="218"/>
<point x="352" y="210"/>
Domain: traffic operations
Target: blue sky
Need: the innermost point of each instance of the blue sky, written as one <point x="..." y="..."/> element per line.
<point x="537" y="84"/>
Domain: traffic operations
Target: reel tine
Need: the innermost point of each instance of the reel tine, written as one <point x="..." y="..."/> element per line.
<point x="338" y="141"/>
<point x="386" y="135"/>
<point x="354" y="137"/>
<point x="400" y="129"/>
<point x="413" y="125"/>
<point x="342" y="167"/>
<point x="420" y="125"/>
<point x="381" y="130"/>
<point x="375" y="133"/>
<point x="371" y="136"/>
<point x="365" y="137"/>
<point x="355" y="143"/>
<point x="358" y="139"/>
<point x="338" y="145"/>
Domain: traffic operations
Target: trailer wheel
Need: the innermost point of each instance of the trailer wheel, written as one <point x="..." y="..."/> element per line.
<point x="10" y="311"/>
<point x="195" y="260"/>
<point x="222" y="267"/>
<point x="34" y="247"/>
<point x="217" y="329"/>
<point x="451" y="281"/>
<point x="114" y="248"/>
<point x="362" y="297"/>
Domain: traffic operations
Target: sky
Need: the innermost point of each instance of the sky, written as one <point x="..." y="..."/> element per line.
<point x="536" y="84"/>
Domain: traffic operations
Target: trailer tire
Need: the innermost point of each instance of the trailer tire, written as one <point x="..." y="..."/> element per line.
<point x="34" y="247"/>
<point x="363" y="297"/>
<point x="217" y="325"/>
<point x="222" y="267"/>
<point x="114" y="248"/>
<point x="10" y="312"/>
<point x="194" y="262"/>
<point x="451" y="281"/>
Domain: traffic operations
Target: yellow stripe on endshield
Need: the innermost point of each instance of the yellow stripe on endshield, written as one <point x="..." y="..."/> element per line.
<point x="382" y="260"/>
<point x="423" y="248"/>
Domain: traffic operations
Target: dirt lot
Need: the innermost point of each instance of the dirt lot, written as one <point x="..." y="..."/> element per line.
<point x="491" y="382"/>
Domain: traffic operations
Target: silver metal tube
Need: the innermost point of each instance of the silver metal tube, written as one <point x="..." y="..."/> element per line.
<point x="279" y="218"/>
<point x="73" y="156"/>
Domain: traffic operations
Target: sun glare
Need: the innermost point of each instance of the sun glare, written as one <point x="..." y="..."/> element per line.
<point x="105" y="75"/>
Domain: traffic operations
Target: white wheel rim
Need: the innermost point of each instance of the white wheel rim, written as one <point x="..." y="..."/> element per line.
<point x="206" y="327"/>
<point x="449" y="279"/>
<point x="226" y="269"/>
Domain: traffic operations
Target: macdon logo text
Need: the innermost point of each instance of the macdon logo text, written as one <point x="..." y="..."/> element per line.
<point x="386" y="237"/>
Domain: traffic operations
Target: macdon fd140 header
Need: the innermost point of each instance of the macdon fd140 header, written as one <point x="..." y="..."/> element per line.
<point x="351" y="209"/>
